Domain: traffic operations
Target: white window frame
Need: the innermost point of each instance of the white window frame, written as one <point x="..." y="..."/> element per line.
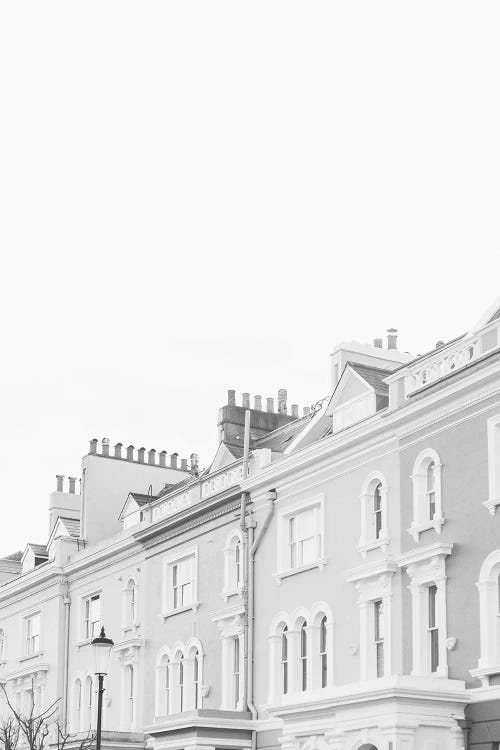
<point x="421" y="521"/>
<point x="368" y="539"/>
<point x="427" y="567"/>
<point x="489" y="619"/>
<point x="493" y="434"/>
<point x="29" y="635"/>
<point x="130" y="620"/>
<point x="232" y="586"/>
<point x="168" y="585"/>
<point x="230" y="625"/>
<point x="283" y="566"/>
<point x="76" y="719"/>
<point x="3" y="645"/>
<point x="164" y="687"/>
<point x="86" y="623"/>
<point x="373" y="582"/>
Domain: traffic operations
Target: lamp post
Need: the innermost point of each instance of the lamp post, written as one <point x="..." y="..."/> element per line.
<point x="101" y="649"/>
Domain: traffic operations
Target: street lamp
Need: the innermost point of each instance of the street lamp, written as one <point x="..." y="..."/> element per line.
<point x="101" y="649"/>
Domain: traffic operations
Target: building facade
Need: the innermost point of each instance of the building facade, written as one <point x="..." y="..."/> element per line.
<point x="330" y="582"/>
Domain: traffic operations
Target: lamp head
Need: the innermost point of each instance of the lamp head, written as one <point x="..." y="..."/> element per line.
<point x="101" y="649"/>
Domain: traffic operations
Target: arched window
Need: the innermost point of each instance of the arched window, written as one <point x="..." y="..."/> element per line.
<point x="233" y="564"/>
<point x="284" y="660"/>
<point x="303" y="656"/>
<point x="323" y="652"/>
<point x="427" y="505"/>
<point x="374" y="517"/>
<point x="130" y="603"/>
<point x="77" y="706"/>
<point x="431" y="490"/>
<point x="89" y="703"/>
<point x="377" y="509"/>
<point x="181" y="682"/>
<point x="196" y="677"/>
<point x="164" y="687"/>
<point x="2" y="645"/>
<point x="489" y="616"/>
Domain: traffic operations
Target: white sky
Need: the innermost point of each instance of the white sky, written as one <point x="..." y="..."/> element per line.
<point x="198" y="196"/>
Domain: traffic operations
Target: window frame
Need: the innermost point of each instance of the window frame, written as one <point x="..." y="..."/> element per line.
<point x="29" y="636"/>
<point x="285" y="514"/>
<point x="169" y="564"/>
<point x="371" y="537"/>
<point x="233" y="575"/>
<point x="87" y="635"/>
<point x="421" y="520"/>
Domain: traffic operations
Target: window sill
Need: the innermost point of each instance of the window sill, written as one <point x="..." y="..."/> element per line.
<point x="417" y="528"/>
<point x="187" y="608"/>
<point x="484" y="673"/>
<point x="295" y="571"/>
<point x="226" y="595"/>
<point x="85" y="642"/>
<point x="365" y="545"/>
<point x="131" y="627"/>
<point x="36" y="655"/>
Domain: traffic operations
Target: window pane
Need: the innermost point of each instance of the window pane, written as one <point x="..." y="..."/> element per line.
<point x="432" y="606"/>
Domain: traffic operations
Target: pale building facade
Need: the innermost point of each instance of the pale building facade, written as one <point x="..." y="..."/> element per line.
<point x="337" y="587"/>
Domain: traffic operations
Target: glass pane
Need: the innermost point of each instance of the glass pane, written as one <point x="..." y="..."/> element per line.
<point x="432" y="606"/>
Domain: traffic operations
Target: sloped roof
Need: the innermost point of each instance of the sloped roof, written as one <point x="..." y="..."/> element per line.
<point x="72" y="525"/>
<point x="374" y="376"/>
<point x="142" y="499"/>
<point x="39" y="550"/>
<point x="279" y="439"/>
<point x="13" y="557"/>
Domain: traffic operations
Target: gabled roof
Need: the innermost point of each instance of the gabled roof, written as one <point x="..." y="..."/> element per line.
<point x="374" y="376"/>
<point x="13" y="557"/>
<point x="142" y="499"/>
<point x="39" y="550"/>
<point x="280" y="439"/>
<point x="65" y="527"/>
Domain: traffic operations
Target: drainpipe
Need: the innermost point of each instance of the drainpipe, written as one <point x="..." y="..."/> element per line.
<point x="244" y="552"/>
<point x="254" y="543"/>
<point x="67" y="610"/>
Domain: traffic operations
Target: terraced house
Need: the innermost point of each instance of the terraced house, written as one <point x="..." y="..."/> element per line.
<point x="331" y="582"/>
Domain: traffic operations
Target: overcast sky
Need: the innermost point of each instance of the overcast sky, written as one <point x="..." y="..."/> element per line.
<point x="198" y="196"/>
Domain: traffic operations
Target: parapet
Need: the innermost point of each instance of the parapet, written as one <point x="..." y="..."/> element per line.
<point x="144" y="456"/>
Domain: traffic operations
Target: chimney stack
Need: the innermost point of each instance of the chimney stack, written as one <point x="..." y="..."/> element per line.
<point x="93" y="446"/>
<point x="231" y="398"/>
<point x="282" y="395"/>
<point x="307" y="411"/>
<point x="195" y="459"/>
<point x="163" y="458"/>
<point x="184" y="464"/>
<point x="130" y="453"/>
<point x="173" y="460"/>
<point x="105" y="446"/>
<point x="245" y="400"/>
<point x="140" y="455"/>
<point x="257" y="403"/>
<point x="60" y="479"/>
<point x="295" y="411"/>
<point x="152" y="457"/>
<point x="118" y="450"/>
<point x="377" y="343"/>
<point x="270" y="404"/>
<point x="392" y="338"/>
<point x="72" y="482"/>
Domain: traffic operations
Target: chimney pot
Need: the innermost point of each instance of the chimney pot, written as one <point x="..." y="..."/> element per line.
<point x="231" y="398"/>
<point x="295" y="411"/>
<point x="184" y="464"/>
<point x="282" y="396"/>
<point x="152" y="457"/>
<point x="140" y="455"/>
<point x="105" y="446"/>
<point x="118" y="450"/>
<point x="392" y="338"/>
<point x="72" y="482"/>
<point x="257" y="403"/>
<point x="130" y="453"/>
<point x="439" y="344"/>
<point x="270" y="404"/>
<point x="377" y="343"/>
<point x="163" y="458"/>
<point x="93" y="445"/>
<point x="245" y="400"/>
<point x="195" y="460"/>
<point x="307" y="410"/>
<point x="173" y="460"/>
<point x="60" y="480"/>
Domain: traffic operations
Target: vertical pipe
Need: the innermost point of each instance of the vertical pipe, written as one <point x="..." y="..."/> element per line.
<point x="244" y="545"/>
<point x="67" y="610"/>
